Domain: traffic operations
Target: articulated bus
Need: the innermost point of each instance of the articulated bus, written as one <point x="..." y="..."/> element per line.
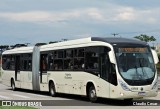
<point x="116" y="68"/>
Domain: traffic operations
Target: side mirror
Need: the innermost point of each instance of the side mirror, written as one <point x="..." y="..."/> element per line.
<point x="112" y="57"/>
<point x="155" y="56"/>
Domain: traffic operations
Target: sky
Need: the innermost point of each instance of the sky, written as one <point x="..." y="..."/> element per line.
<point x="42" y="21"/>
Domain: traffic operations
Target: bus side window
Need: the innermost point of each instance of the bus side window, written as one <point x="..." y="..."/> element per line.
<point x="113" y="76"/>
<point x="104" y="72"/>
<point x="58" y="60"/>
<point x="78" y="63"/>
<point x="50" y="61"/>
<point x="107" y="69"/>
<point x="79" y="59"/>
<point x="29" y="65"/>
<point x="24" y="62"/>
<point x="91" y="59"/>
<point x="5" y="62"/>
<point x="43" y="63"/>
<point x="12" y="62"/>
<point x="68" y="59"/>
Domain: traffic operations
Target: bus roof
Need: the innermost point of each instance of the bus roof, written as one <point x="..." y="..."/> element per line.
<point x="113" y="40"/>
<point x="19" y="50"/>
<point x="68" y="43"/>
<point x="110" y="40"/>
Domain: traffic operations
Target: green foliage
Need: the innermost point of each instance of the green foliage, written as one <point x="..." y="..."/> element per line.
<point x="16" y="107"/>
<point x="158" y="53"/>
<point x="145" y="38"/>
<point x="158" y="66"/>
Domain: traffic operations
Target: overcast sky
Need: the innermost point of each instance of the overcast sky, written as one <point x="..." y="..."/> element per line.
<point x="32" y="21"/>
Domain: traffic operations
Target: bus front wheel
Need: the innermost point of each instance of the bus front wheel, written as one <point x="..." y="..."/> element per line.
<point x="52" y="90"/>
<point x="13" y="85"/>
<point x="92" y="94"/>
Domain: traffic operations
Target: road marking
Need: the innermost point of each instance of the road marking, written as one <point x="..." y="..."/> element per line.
<point x="20" y="96"/>
<point x="45" y="96"/>
<point x="4" y="97"/>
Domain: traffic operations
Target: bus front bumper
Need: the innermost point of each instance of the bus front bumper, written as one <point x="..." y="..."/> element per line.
<point x="131" y="94"/>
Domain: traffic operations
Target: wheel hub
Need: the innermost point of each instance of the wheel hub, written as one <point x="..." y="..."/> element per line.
<point x="93" y="93"/>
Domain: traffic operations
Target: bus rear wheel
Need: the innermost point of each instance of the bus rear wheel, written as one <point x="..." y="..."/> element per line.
<point x="92" y="94"/>
<point x="52" y="90"/>
<point x="13" y="85"/>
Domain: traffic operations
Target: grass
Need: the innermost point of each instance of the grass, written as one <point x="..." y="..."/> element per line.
<point x="16" y="107"/>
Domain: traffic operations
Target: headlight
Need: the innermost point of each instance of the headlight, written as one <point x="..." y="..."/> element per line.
<point x="123" y="85"/>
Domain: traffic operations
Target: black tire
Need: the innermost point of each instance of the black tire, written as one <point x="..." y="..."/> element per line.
<point x="52" y="90"/>
<point x="13" y="85"/>
<point x="92" y="94"/>
<point x="129" y="100"/>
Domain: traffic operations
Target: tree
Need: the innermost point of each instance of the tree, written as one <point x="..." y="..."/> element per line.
<point x="51" y="42"/>
<point x="146" y="38"/>
<point x="3" y="48"/>
<point x="18" y="45"/>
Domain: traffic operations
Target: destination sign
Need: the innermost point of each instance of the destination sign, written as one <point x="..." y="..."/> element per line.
<point x="143" y="50"/>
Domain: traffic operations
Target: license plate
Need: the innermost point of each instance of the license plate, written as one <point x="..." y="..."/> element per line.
<point x="142" y="93"/>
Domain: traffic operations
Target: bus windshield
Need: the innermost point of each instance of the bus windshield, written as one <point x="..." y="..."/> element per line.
<point x="135" y="63"/>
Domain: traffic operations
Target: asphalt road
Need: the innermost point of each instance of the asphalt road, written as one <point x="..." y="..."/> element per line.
<point x="63" y="101"/>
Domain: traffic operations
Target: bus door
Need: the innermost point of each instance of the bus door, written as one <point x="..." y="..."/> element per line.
<point x="43" y="68"/>
<point x="104" y="67"/>
<point x="17" y="68"/>
<point x="107" y="71"/>
<point x="104" y="71"/>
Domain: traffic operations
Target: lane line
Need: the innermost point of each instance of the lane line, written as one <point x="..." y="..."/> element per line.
<point x="4" y="97"/>
<point x="22" y="96"/>
<point x="44" y="96"/>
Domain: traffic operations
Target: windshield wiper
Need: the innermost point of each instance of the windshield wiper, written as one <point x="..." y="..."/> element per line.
<point x="143" y="71"/>
<point x="137" y="74"/>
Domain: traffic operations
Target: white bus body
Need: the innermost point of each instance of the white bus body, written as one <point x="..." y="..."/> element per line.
<point x="88" y="66"/>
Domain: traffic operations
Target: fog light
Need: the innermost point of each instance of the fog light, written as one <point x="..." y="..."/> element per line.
<point x="122" y="94"/>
